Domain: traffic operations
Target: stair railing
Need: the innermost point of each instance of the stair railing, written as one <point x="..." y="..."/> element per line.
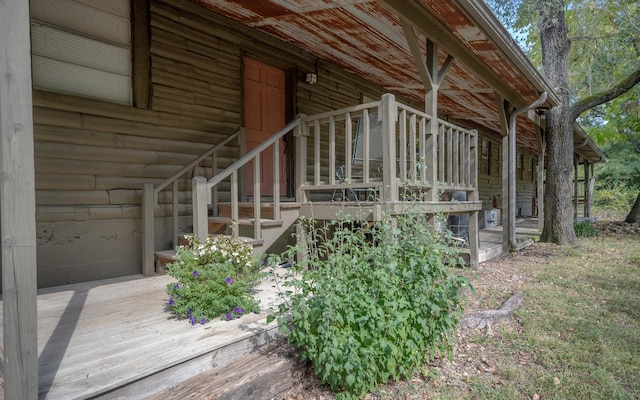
<point x="150" y="201"/>
<point x="202" y="188"/>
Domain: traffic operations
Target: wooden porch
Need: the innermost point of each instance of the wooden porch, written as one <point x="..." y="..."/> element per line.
<point x="369" y="161"/>
<point x="113" y="339"/>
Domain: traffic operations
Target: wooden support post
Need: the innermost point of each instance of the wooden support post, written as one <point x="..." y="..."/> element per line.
<point x="503" y="111"/>
<point x="431" y="108"/>
<point x="257" y="232"/>
<point x="389" y="115"/>
<point x="148" y="230"/>
<point x="540" y="191"/>
<point x="242" y="179"/>
<point x="175" y="192"/>
<point x="587" y="193"/>
<point x="474" y="237"/>
<point x="17" y="205"/>
<point x="200" y="220"/>
<point x="576" y="162"/>
<point x="300" y="136"/>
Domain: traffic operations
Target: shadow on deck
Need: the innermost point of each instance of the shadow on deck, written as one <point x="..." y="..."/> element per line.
<point x="113" y="339"/>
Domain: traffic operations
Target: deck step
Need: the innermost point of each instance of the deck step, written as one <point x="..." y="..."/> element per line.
<point x="165" y="257"/>
<point x="264" y="222"/>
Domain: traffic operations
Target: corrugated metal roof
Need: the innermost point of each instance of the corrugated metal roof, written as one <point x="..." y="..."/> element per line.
<point x="365" y="37"/>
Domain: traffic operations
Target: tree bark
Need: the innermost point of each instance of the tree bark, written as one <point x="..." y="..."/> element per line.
<point x="634" y="215"/>
<point x="558" y="219"/>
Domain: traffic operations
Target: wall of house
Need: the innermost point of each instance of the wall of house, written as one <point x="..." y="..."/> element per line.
<point x="92" y="157"/>
<point x="490" y="177"/>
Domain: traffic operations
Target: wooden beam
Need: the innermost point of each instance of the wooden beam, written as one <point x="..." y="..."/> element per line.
<point x="416" y="52"/>
<point x="17" y="204"/>
<point x="417" y="16"/>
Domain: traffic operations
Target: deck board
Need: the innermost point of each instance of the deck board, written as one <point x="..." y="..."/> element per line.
<point x="96" y="336"/>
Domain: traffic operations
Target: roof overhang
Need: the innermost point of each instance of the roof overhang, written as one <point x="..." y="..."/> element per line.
<point x="366" y="38"/>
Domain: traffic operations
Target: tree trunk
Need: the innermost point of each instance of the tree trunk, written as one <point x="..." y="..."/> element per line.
<point x="634" y="215"/>
<point x="558" y="219"/>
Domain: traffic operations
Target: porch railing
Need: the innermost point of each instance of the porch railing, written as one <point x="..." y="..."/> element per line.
<point x="150" y="199"/>
<point x="385" y="147"/>
<point x="202" y="188"/>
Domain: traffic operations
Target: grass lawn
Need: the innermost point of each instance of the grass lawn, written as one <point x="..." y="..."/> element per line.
<point x="576" y="335"/>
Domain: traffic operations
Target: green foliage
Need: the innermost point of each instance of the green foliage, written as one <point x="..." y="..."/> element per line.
<point x="585" y="229"/>
<point x="615" y="196"/>
<point x="371" y="302"/>
<point x="214" y="279"/>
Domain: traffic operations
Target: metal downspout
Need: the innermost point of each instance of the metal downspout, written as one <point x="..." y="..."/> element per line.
<point x="513" y="244"/>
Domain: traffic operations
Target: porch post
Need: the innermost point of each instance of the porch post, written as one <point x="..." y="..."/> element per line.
<point x="148" y="230"/>
<point x="300" y="137"/>
<point x="200" y="221"/>
<point x="503" y="111"/>
<point x="474" y="196"/>
<point x="431" y="108"/>
<point x="576" y="162"/>
<point x="389" y="114"/>
<point x="542" y="148"/>
<point x="17" y="205"/>
<point x="587" y="189"/>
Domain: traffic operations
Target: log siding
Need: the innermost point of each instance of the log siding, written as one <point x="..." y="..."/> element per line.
<point x="92" y="157"/>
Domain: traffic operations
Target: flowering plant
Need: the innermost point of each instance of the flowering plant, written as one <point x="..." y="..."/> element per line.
<point x="214" y="279"/>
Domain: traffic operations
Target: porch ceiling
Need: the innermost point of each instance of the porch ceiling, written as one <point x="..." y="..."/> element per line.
<point x="365" y="37"/>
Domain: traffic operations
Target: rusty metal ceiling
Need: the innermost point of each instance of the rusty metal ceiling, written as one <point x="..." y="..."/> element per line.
<point x="365" y="37"/>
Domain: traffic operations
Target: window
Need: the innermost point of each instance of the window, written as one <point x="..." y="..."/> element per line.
<point x="82" y="47"/>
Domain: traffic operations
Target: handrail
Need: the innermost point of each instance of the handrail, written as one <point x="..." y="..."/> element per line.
<point x="195" y="162"/>
<point x="252" y="154"/>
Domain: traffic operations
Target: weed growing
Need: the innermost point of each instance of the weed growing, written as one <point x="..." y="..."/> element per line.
<point x="371" y="302"/>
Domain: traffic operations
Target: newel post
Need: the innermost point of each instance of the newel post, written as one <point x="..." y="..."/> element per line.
<point x="148" y="230"/>
<point x="389" y="115"/>
<point x="300" y="135"/>
<point x="200" y="217"/>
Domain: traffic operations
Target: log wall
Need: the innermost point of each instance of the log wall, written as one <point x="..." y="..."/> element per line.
<point x="92" y="157"/>
<point x="490" y="178"/>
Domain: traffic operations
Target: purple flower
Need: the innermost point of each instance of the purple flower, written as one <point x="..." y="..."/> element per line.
<point x="189" y="311"/>
<point x="176" y="286"/>
<point x="238" y="310"/>
<point x="194" y="273"/>
<point x="229" y="317"/>
<point x="229" y="280"/>
<point x="192" y="320"/>
<point x="203" y="321"/>
<point x="171" y="302"/>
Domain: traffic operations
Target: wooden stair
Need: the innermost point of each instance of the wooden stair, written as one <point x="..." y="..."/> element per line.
<point x="272" y="229"/>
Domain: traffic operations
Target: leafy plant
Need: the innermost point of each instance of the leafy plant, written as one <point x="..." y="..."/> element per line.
<point x="585" y="229"/>
<point x="369" y="302"/>
<point x="214" y="278"/>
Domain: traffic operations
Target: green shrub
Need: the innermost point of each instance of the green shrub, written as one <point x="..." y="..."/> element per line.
<point x="585" y="229"/>
<point x="371" y="302"/>
<point x="616" y="196"/>
<point x="214" y="279"/>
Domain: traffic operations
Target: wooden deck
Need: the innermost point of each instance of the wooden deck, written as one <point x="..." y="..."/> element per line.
<point x="112" y="339"/>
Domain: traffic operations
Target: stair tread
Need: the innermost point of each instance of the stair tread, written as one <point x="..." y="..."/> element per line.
<point x="247" y="221"/>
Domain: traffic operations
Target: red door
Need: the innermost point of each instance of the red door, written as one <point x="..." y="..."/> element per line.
<point x="264" y="109"/>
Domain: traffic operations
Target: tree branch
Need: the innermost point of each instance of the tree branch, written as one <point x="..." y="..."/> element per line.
<point x="606" y="95"/>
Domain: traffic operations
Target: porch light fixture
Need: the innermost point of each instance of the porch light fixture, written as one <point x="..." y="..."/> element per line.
<point x="311" y="78"/>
